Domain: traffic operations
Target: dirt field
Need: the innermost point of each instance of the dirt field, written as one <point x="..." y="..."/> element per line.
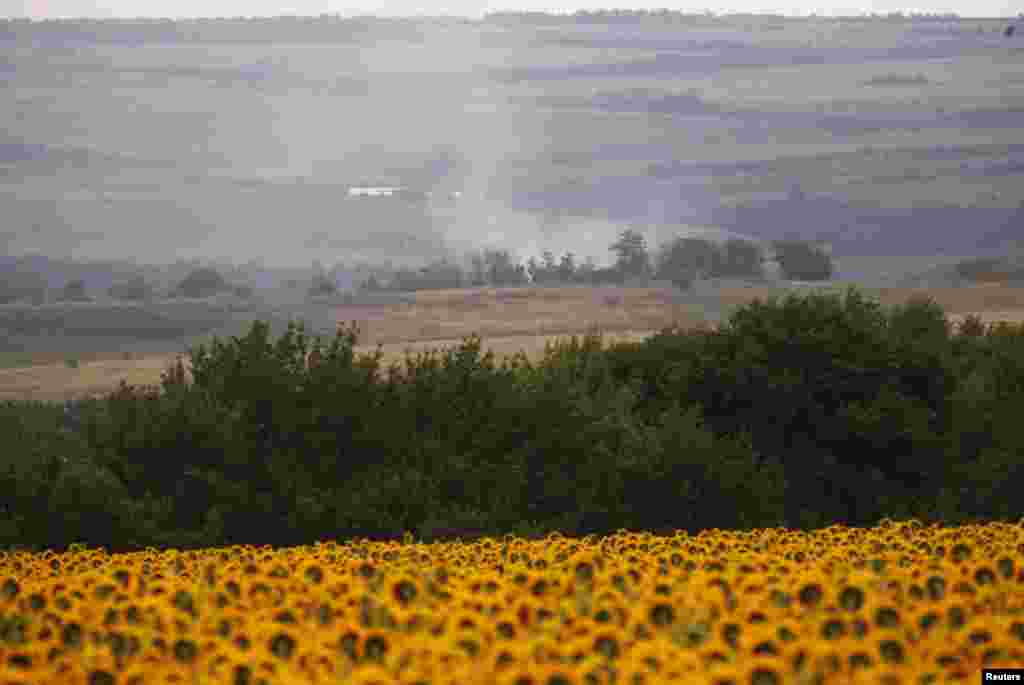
<point x="509" y="321"/>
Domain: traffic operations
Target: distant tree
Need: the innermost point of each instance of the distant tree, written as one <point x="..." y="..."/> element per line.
<point x="202" y="282"/>
<point x="322" y="285"/>
<point x="547" y="271"/>
<point x="631" y="251"/>
<point x="135" y="288"/>
<point x="585" y="272"/>
<point x="740" y="259"/>
<point x="567" y="268"/>
<point x="74" y="290"/>
<point x="799" y="260"/>
<point x="549" y="260"/>
<point x="501" y="269"/>
<point x="685" y="259"/>
<point x="478" y="276"/>
<point x="439" y="275"/>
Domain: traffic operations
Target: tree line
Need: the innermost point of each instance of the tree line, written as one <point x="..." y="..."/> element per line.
<point x="680" y="261"/>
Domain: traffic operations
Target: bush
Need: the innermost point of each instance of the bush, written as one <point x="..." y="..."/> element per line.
<point x="707" y="481"/>
<point x="815" y="381"/>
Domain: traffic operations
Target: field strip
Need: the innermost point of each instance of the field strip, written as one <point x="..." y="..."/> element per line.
<point x="54" y="382"/>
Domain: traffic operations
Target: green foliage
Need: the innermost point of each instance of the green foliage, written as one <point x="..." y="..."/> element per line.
<point x="799" y="412"/>
<point x="45" y="473"/>
<point x="826" y="385"/>
<point x="14" y="360"/>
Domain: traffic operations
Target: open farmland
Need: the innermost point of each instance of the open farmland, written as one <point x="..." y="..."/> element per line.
<point x="896" y="133"/>
<point x="509" y="321"/>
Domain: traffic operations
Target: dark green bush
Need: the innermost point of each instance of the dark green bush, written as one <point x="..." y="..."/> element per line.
<point x="829" y="386"/>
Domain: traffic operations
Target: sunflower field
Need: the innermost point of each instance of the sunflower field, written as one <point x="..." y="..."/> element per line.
<point x="897" y="603"/>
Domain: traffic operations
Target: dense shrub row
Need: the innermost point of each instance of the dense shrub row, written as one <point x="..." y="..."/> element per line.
<point x="811" y="410"/>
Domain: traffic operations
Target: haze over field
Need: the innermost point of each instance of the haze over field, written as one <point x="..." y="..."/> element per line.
<point x="179" y="9"/>
<point x="242" y="140"/>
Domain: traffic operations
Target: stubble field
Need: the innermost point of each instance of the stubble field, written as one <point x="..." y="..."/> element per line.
<point x="509" y="321"/>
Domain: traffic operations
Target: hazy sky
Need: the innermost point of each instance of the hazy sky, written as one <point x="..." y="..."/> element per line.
<point x="472" y="8"/>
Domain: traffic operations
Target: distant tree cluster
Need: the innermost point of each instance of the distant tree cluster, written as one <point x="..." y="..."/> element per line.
<point x="801" y="261"/>
<point x="680" y="261"/>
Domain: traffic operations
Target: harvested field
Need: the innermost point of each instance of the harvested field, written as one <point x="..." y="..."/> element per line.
<point x="508" y="321"/>
<point x="506" y="312"/>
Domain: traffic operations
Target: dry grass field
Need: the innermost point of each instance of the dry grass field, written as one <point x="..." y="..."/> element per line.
<point x="508" y="320"/>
